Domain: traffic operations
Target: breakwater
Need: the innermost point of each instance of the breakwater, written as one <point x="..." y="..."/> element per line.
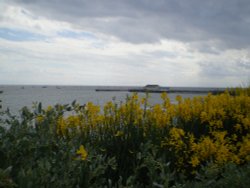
<point x="164" y="89"/>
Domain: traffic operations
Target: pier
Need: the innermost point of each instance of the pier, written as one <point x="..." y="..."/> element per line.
<point x="158" y="89"/>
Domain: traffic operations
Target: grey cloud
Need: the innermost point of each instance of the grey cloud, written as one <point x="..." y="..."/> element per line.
<point x="207" y="47"/>
<point x="224" y="69"/>
<point x="162" y="54"/>
<point x="147" y="21"/>
<point x="245" y="65"/>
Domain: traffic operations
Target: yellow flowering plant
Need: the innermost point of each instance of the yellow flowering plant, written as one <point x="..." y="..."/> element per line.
<point x="82" y="153"/>
<point x="131" y="141"/>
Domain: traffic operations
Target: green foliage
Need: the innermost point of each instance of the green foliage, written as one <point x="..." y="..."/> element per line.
<point x="229" y="176"/>
<point x="42" y="159"/>
<point x="127" y="145"/>
<point x="1" y="112"/>
<point x="0" y="101"/>
<point x="5" y="178"/>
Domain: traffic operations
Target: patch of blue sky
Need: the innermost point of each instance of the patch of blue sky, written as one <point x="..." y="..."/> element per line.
<point x="76" y="35"/>
<point x="20" y="35"/>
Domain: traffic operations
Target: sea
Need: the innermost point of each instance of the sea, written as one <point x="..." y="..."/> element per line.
<point x="15" y="97"/>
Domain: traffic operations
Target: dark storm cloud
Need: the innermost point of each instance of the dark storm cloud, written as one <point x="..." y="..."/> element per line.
<point x="147" y="21"/>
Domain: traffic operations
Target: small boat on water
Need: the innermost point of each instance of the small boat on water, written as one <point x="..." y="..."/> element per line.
<point x="1" y="91"/>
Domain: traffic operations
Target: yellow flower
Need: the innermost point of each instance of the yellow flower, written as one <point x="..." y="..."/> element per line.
<point x="205" y="149"/>
<point x="194" y="161"/>
<point x="143" y="101"/>
<point x="73" y="121"/>
<point x="244" y="151"/>
<point x="177" y="133"/>
<point x="61" y="126"/>
<point x="135" y="97"/>
<point x="204" y="117"/>
<point x="178" y="98"/>
<point x="82" y="152"/>
<point x="246" y="123"/>
<point x="39" y="119"/>
<point x="175" y="139"/>
<point x="238" y="127"/>
<point x="223" y="154"/>
<point x="119" y="133"/>
<point x="49" y="108"/>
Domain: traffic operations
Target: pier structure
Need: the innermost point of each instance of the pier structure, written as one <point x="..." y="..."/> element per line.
<point x="159" y="89"/>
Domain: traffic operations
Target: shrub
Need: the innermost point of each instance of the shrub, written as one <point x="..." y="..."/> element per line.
<point x="130" y="144"/>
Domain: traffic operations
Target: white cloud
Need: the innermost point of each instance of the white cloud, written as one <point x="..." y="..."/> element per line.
<point x="15" y="17"/>
<point x="106" y="52"/>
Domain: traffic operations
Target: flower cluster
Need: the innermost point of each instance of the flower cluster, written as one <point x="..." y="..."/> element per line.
<point x="82" y="153"/>
<point x="191" y="132"/>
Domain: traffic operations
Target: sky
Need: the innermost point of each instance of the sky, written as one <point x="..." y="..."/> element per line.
<point x="125" y="42"/>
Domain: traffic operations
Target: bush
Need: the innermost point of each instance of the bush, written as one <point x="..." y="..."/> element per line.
<point x="202" y="141"/>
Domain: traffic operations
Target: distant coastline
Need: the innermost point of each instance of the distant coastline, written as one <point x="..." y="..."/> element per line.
<point x="159" y="89"/>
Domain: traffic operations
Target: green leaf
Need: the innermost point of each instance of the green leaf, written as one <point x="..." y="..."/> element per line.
<point x="39" y="107"/>
<point x="73" y="103"/>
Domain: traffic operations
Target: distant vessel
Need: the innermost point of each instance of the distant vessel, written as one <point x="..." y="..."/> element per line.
<point x="44" y="87"/>
<point x="1" y="91"/>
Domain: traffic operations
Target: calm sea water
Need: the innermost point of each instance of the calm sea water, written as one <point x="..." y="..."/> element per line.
<point x="16" y="97"/>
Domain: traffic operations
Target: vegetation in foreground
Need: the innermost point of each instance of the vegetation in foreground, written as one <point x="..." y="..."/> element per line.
<point x="199" y="142"/>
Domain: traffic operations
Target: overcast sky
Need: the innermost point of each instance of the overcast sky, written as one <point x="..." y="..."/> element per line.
<point x="125" y="42"/>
